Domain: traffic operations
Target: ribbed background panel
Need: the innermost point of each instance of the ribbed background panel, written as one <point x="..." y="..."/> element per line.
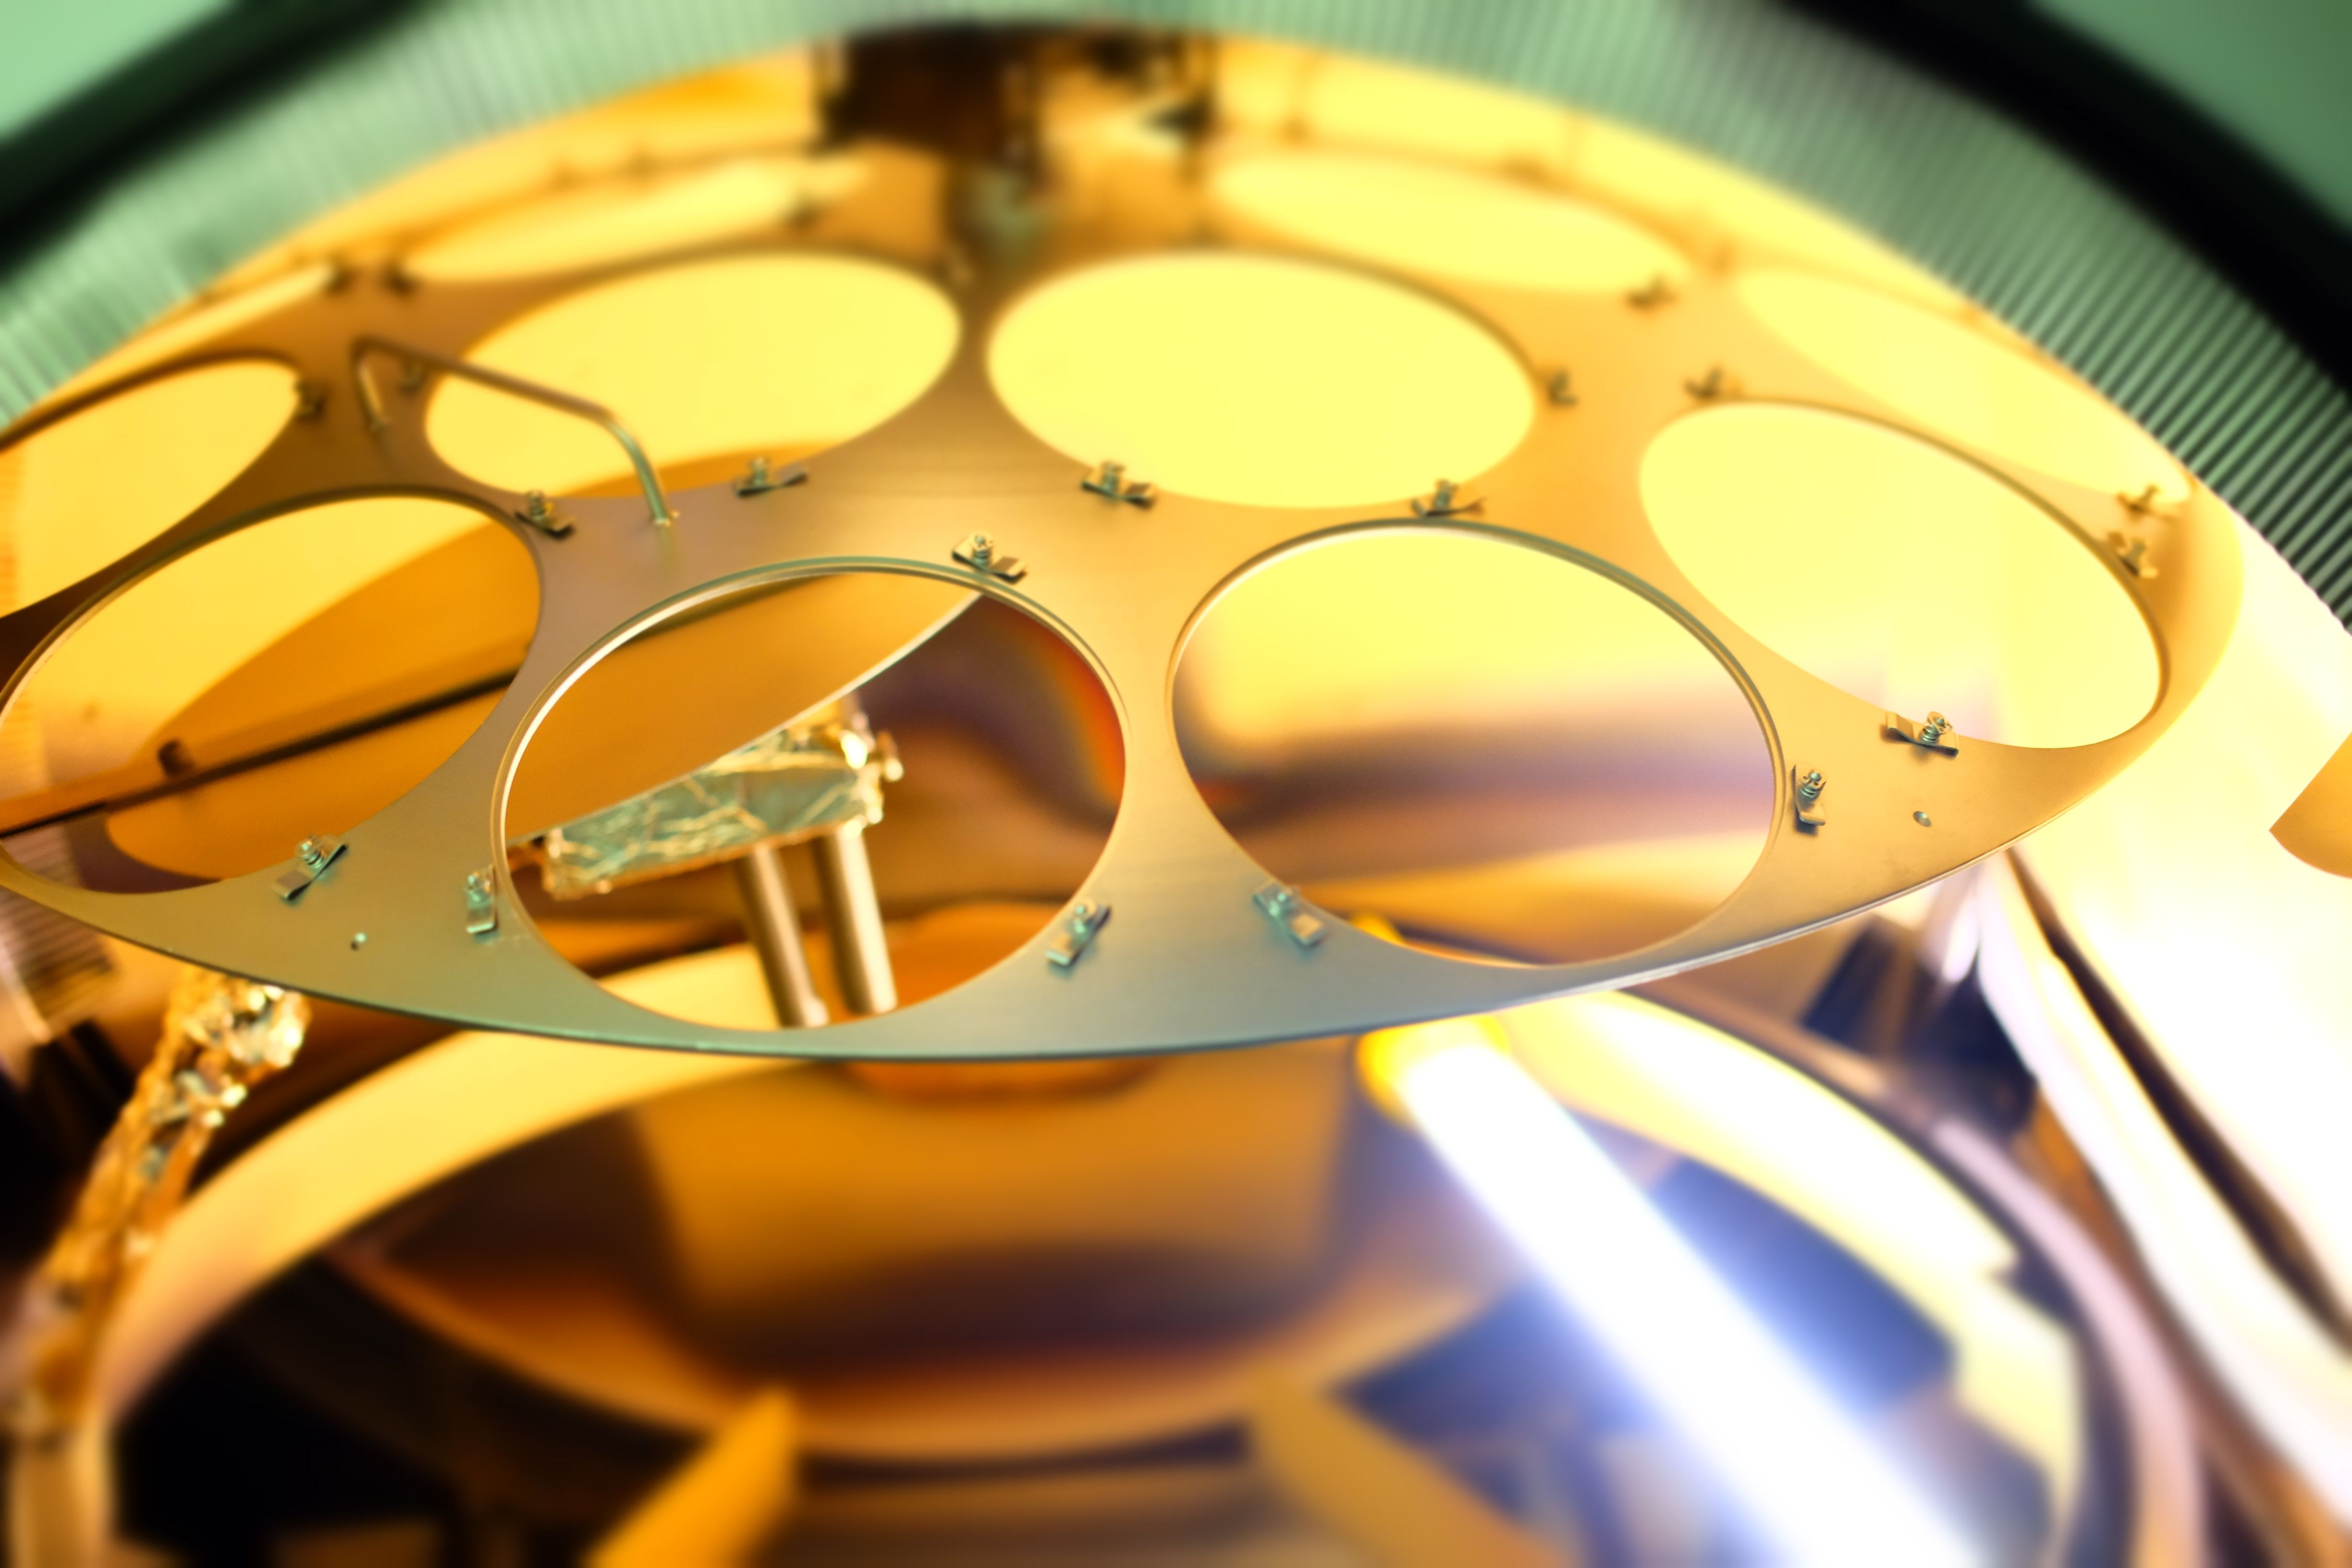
<point x="2001" y="216"/>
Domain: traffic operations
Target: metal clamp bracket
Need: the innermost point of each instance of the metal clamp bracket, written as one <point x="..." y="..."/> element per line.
<point x="1446" y="500"/>
<point x="1109" y="478"/>
<point x="1281" y="903"/>
<point x="1933" y="733"/>
<point x="1077" y="934"/>
<point x="760" y="479"/>
<point x="481" y="904"/>
<point x="979" y="552"/>
<point x="1809" y="784"/>
<point x="311" y="858"/>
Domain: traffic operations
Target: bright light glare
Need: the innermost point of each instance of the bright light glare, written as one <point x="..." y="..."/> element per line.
<point x="1817" y="1488"/>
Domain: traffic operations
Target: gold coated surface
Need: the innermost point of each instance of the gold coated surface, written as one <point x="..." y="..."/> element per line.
<point x="1124" y="585"/>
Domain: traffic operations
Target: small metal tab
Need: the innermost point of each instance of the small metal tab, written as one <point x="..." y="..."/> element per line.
<point x="1809" y="783"/>
<point x="1077" y="934"/>
<point x="2133" y="553"/>
<point x="979" y="552"/>
<point x="1281" y="904"/>
<point x="1714" y="384"/>
<point x="309" y="399"/>
<point x="759" y="479"/>
<point x="1109" y="478"/>
<point x="539" y="512"/>
<point x="311" y="858"/>
<point x="1934" y="733"/>
<point x="1446" y="500"/>
<point x="1559" y="389"/>
<point x="481" y="904"/>
<point x="1657" y="292"/>
<point x="2143" y="505"/>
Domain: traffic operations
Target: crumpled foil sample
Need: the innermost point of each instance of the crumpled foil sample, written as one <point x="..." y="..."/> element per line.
<point x="797" y="781"/>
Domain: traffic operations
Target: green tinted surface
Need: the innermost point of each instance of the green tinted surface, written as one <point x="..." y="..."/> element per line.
<point x="1936" y="175"/>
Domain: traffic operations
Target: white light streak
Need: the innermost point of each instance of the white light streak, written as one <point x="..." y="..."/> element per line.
<point x="1820" y="1491"/>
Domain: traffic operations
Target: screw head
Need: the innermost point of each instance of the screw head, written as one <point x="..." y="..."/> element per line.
<point x="1921" y="818"/>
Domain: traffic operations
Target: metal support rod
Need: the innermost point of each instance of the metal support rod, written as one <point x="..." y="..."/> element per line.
<point x="371" y="406"/>
<point x="775" y="933"/>
<point x="853" y="915"/>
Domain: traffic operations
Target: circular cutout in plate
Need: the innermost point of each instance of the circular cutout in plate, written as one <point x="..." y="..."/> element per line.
<point x="66" y="508"/>
<point x="1260" y="380"/>
<point x="706" y="362"/>
<point x="1901" y="573"/>
<point x="623" y="218"/>
<point x="1488" y="744"/>
<point x="1454" y="223"/>
<point x="963" y="752"/>
<point x="291" y="678"/>
<point x="1962" y="386"/>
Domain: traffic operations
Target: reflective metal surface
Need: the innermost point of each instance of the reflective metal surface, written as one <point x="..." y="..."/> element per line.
<point x="1124" y="585"/>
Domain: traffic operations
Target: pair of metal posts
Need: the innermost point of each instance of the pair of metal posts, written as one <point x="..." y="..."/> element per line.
<point x="853" y="920"/>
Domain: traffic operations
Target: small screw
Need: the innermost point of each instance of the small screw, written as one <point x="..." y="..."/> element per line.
<point x="312" y="853"/>
<point x="1077" y="934"/>
<point x="2133" y="553"/>
<point x="1109" y="478"/>
<point x="359" y="940"/>
<point x="2141" y="504"/>
<point x="540" y="513"/>
<point x="1809" y="783"/>
<point x="1710" y="386"/>
<point x="1921" y="818"/>
<point x="978" y="552"/>
<point x="309" y="399"/>
<point x="1557" y="388"/>
<point x="1280" y="903"/>
<point x="411" y="374"/>
<point x="761" y="478"/>
<point x="1651" y="295"/>
<point x="481" y="904"/>
<point x="1446" y="499"/>
<point x="1933" y="728"/>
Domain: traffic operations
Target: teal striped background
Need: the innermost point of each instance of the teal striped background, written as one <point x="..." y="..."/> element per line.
<point x="2004" y="217"/>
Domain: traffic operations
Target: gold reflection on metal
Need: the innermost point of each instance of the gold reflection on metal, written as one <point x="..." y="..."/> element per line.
<point x="1896" y="571"/>
<point x="773" y="354"/>
<point x="1259" y="380"/>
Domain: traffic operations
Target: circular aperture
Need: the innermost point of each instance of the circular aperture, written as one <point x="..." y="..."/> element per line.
<point x="290" y="679"/>
<point x="708" y="362"/>
<point x="1963" y="385"/>
<point x="83" y="492"/>
<point x="1260" y="381"/>
<point x="1487" y="745"/>
<point x="1454" y="222"/>
<point x="785" y="735"/>
<point x="1905" y="575"/>
<point x="623" y="218"/>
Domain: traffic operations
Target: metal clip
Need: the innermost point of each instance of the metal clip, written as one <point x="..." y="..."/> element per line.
<point x="1809" y="784"/>
<point x="1077" y="934"/>
<point x="312" y="858"/>
<point x="1711" y="386"/>
<point x="1281" y="904"/>
<point x="539" y="512"/>
<point x="481" y="904"/>
<point x="1446" y="500"/>
<point x="1934" y="733"/>
<point x="760" y="480"/>
<point x="1559" y="390"/>
<point x="2133" y="553"/>
<point x="979" y="552"/>
<point x="309" y="399"/>
<point x="1109" y="478"/>
<point x="2144" y="504"/>
<point x="1657" y="292"/>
